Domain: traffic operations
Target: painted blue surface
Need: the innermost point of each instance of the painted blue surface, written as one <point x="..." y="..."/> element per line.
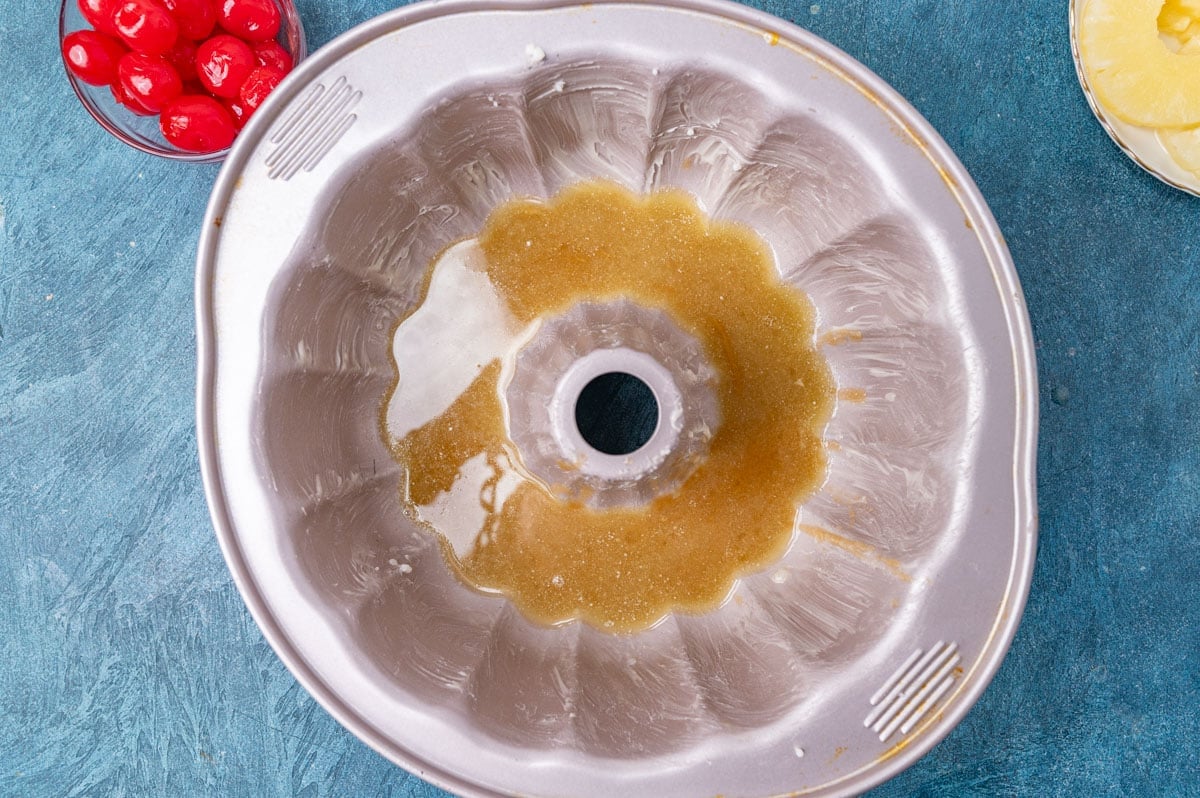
<point x="129" y="667"/>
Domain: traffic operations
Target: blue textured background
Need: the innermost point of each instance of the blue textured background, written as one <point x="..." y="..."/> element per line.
<point x="129" y="666"/>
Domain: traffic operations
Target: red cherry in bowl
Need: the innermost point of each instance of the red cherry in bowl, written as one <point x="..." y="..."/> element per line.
<point x="196" y="18"/>
<point x="197" y="124"/>
<point x="251" y="20"/>
<point x="145" y="26"/>
<point x="93" y="56"/>
<point x="223" y="64"/>
<point x="183" y="57"/>
<point x="272" y="54"/>
<point x="149" y="79"/>
<point x="127" y="100"/>
<point x="99" y="14"/>
<point x="261" y="82"/>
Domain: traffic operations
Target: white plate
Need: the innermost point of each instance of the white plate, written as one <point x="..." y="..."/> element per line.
<point x="1140" y="143"/>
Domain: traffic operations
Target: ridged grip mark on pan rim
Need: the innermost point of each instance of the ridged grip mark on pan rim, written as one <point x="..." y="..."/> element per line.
<point x="913" y="689"/>
<point x="307" y="134"/>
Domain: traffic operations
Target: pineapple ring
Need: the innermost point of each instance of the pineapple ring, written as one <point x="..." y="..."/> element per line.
<point x="1131" y="69"/>
<point x="1184" y="147"/>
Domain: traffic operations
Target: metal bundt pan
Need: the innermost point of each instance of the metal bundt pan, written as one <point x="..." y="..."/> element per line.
<point x="824" y="674"/>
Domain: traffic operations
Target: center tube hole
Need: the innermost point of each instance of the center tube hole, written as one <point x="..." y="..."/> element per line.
<point x="616" y="413"/>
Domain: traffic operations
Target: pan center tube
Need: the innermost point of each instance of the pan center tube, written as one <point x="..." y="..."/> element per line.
<point x="554" y="374"/>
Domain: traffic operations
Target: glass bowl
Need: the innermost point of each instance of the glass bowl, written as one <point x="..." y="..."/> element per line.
<point x="142" y="132"/>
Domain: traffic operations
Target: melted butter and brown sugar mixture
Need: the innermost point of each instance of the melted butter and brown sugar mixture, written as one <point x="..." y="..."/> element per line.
<point x="624" y="568"/>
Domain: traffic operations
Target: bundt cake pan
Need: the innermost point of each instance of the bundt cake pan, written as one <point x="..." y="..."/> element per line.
<point x="823" y="674"/>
